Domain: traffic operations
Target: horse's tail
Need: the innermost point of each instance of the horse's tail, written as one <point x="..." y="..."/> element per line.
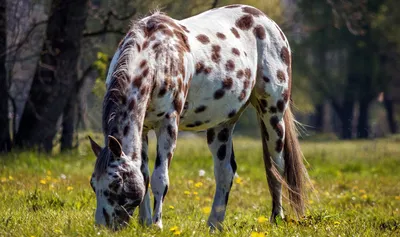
<point x="295" y="171"/>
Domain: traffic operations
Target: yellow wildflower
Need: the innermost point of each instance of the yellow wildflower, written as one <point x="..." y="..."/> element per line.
<point x="69" y="188"/>
<point x="171" y="207"/>
<point x="195" y="193"/>
<point x="197" y="198"/>
<point x="238" y="180"/>
<point x="206" y="210"/>
<point x="177" y="232"/>
<point x="48" y="178"/>
<point x="310" y="201"/>
<point x="48" y="172"/>
<point x="186" y="192"/>
<point x="364" y="196"/>
<point x="43" y="181"/>
<point x="198" y="184"/>
<point x="261" y="219"/>
<point x="257" y="234"/>
<point x="10" y="177"/>
<point x="173" y="228"/>
<point x="336" y="223"/>
<point x="20" y="192"/>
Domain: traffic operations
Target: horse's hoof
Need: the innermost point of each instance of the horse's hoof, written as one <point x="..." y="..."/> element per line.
<point x="215" y="226"/>
<point x="275" y="216"/>
<point x="159" y="225"/>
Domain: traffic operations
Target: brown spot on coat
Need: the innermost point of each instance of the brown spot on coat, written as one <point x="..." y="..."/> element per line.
<point x="143" y="63"/>
<point x="200" y="109"/>
<point x="227" y="83"/>
<point x="253" y="11"/>
<point x="178" y="105"/>
<point x="247" y="73"/>
<point x="221" y="153"/>
<point x="137" y="81"/>
<point x="236" y="51"/>
<point x="274" y="121"/>
<point x="230" y="65"/>
<point x="221" y="36"/>
<point x="207" y="70"/>
<point x="145" y="44"/>
<point x="242" y="95"/>
<point x="285" y="95"/>
<point x="232" y="114"/>
<point x="210" y="135"/>
<point x="144" y="90"/>
<point x="219" y="94"/>
<point x="171" y="131"/>
<point x="285" y="56"/>
<point x="203" y="39"/>
<point x="185" y="28"/>
<point x="215" y="55"/>
<point x="245" y="22"/>
<point x="199" y="67"/>
<point x="279" y="130"/>
<point x="259" y="32"/>
<point x="272" y="109"/>
<point x="280" y="105"/>
<point x="132" y="104"/>
<point x="223" y="135"/>
<point x="239" y="74"/>
<point x="235" y="32"/>
<point x="145" y="72"/>
<point x="279" y="145"/>
<point x="281" y="75"/>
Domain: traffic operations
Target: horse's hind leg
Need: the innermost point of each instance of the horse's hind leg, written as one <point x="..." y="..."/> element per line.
<point x="219" y="141"/>
<point x="272" y="135"/>
<point x="270" y="98"/>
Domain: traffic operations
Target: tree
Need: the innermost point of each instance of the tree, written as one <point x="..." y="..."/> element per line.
<point x="55" y="76"/>
<point x="5" y="141"/>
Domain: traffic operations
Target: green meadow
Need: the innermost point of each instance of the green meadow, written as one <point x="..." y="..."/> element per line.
<point x="356" y="192"/>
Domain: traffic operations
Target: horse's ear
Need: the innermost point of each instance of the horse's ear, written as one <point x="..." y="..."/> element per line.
<point x="114" y="146"/>
<point x="95" y="147"/>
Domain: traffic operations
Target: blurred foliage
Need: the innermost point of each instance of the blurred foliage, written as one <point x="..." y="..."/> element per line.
<point x="100" y="65"/>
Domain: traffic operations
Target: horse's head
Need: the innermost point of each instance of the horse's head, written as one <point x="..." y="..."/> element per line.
<point x="118" y="184"/>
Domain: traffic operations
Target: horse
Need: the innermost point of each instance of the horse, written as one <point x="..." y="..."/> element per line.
<point x="195" y="74"/>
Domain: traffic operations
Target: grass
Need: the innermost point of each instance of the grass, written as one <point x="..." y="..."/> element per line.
<point x="357" y="193"/>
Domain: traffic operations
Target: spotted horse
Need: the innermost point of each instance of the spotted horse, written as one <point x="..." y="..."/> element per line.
<point x="195" y="74"/>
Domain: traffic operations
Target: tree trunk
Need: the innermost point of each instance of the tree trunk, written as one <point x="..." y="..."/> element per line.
<point x="390" y="115"/>
<point x="5" y="141"/>
<point x="363" y="126"/>
<point x="55" y="75"/>
<point x="68" y="123"/>
<point x="319" y="118"/>
<point x="347" y="119"/>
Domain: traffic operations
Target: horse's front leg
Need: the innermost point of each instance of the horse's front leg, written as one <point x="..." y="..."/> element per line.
<point x="166" y="142"/>
<point x="145" y="208"/>
<point x="219" y="141"/>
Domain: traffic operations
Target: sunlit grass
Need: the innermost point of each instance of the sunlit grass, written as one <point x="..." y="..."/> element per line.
<point x="357" y="192"/>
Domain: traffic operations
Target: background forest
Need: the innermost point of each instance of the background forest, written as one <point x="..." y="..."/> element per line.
<point x="54" y="55"/>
